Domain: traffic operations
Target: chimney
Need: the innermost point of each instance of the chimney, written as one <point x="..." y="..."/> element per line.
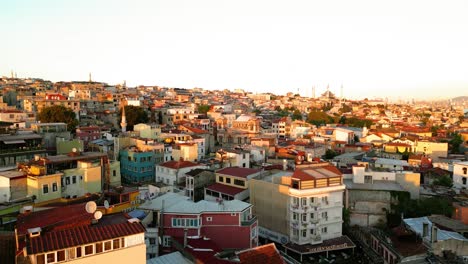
<point x="425" y="229"/>
<point x="434" y="234"/>
<point x="185" y="237"/>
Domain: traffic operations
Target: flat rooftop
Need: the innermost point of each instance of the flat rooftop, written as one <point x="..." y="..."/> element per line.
<point x="374" y="186"/>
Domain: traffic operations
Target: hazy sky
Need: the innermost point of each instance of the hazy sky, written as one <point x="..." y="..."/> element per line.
<point x="396" y="49"/>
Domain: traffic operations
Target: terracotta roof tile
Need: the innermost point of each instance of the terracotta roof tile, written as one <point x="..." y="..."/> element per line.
<point x="178" y="164"/>
<point x="267" y="254"/>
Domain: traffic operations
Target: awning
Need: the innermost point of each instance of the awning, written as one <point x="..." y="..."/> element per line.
<point x="14" y="141"/>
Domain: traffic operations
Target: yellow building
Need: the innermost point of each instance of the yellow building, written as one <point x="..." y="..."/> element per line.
<point x="44" y="237"/>
<point x="44" y="187"/>
<point x="185" y="151"/>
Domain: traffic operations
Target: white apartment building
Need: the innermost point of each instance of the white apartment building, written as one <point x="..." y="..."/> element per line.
<point x="310" y="199"/>
<point x="173" y="172"/>
<point x="460" y="175"/>
<point x="315" y="205"/>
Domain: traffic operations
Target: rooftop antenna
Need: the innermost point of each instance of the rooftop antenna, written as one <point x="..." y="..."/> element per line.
<point x="91" y="207"/>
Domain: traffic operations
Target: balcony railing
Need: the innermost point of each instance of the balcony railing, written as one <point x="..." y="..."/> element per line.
<point x="249" y="221"/>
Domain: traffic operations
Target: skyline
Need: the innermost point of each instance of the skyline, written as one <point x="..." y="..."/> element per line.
<point x="375" y="50"/>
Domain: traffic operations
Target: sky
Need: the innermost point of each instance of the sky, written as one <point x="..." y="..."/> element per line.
<point x="396" y="49"/>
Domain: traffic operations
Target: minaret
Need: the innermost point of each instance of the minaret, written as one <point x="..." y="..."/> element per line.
<point x="123" y="123"/>
<point x="90" y="80"/>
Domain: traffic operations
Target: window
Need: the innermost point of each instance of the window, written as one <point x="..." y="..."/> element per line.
<point x="116" y="243"/>
<point x="325" y="215"/>
<point x="239" y="182"/>
<point x="465" y="170"/>
<point x="304" y="201"/>
<point x="107" y="245"/>
<point x="295" y="184"/>
<point x="61" y="255"/>
<point x="295" y="216"/>
<point x="324" y="230"/>
<point x="221" y="179"/>
<point x="304" y="217"/>
<point x="78" y="252"/>
<point x="312" y="215"/>
<point x="114" y="173"/>
<point x="152" y="241"/>
<point x="40" y="259"/>
<point x="73" y="179"/>
<point x="368" y="179"/>
<point x="312" y="231"/>
<point x="295" y="200"/>
<point x="312" y="200"/>
<point x="295" y="232"/>
<point x="304" y="233"/>
<point x="166" y="241"/>
<point x="325" y="199"/>
<point x="243" y="165"/>
<point x="89" y="249"/>
<point x="228" y="180"/>
<point x="99" y="248"/>
<point x="54" y="187"/>
<point x="45" y="188"/>
<point x="464" y="180"/>
<point x="67" y="181"/>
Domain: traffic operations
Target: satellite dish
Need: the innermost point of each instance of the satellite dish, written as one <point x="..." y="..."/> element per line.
<point x="91" y="207"/>
<point x="73" y="149"/>
<point x="97" y="215"/>
<point x="106" y="204"/>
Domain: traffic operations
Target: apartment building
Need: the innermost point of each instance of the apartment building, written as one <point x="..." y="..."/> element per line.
<point x="301" y="209"/>
<point x="231" y="184"/>
<point x="45" y="237"/>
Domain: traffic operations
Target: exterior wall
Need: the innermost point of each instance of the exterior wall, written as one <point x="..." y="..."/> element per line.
<point x="216" y="229"/>
<point x="18" y="188"/>
<point x="410" y="182"/>
<point x="434" y="150"/>
<point x="186" y="152"/>
<point x="366" y="206"/>
<point x="460" y="175"/>
<point x="92" y="177"/>
<point x="270" y="205"/>
<point x="66" y="146"/>
<point x="115" y="179"/>
<point x="133" y="254"/>
<point x="4" y="189"/>
<point x="35" y="184"/>
<point x="460" y="248"/>
<point x="134" y="169"/>
<point x="168" y="175"/>
<point x="225" y="180"/>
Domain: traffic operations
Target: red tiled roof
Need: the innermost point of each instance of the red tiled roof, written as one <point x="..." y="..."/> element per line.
<point x="238" y="172"/>
<point x="196" y="130"/>
<point x="81" y="235"/>
<point x="230" y="190"/>
<point x="301" y="175"/>
<point x="267" y="254"/>
<point x="53" y="218"/>
<point x="314" y="173"/>
<point x="178" y="164"/>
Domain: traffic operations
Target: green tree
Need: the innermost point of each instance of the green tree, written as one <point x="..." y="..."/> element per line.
<point x="455" y="143"/>
<point x="59" y="113"/>
<point x="443" y="181"/>
<point x="134" y="115"/>
<point x="297" y="115"/>
<point x="318" y="118"/>
<point x="330" y="154"/>
<point x="203" y="109"/>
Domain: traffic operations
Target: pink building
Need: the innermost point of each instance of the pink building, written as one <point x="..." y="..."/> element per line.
<point x="208" y="219"/>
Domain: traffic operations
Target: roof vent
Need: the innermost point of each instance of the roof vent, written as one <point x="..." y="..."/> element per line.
<point x="26" y="209"/>
<point x="34" y="232"/>
<point x="133" y="220"/>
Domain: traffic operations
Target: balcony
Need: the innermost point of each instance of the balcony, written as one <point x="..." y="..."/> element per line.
<point x="316" y="238"/>
<point x="314" y="221"/>
<point x="249" y="221"/>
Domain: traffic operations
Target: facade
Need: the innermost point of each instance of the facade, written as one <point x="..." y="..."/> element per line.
<point x="233" y="158"/>
<point x="185" y="151"/>
<point x="204" y="219"/>
<point x="195" y="182"/>
<point x="137" y="165"/>
<point x="460" y="175"/>
<point x="85" y="178"/>
<point x="310" y="199"/>
<point x="174" y="172"/>
<point x="231" y="184"/>
<point x="88" y="134"/>
<point x="50" y="133"/>
<point x="20" y="147"/>
<point x="112" y="239"/>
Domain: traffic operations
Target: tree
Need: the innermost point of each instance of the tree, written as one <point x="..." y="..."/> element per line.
<point x="59" y="113"/>
<point x="443" y="181"/>
<point x="203" y="109"/>
<point x="330" y="154"/>
<point x="297" y="115"/>
<point x="134" y="115"/>
<point x="318" y="118"/>
<point x="455" y="143"/>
